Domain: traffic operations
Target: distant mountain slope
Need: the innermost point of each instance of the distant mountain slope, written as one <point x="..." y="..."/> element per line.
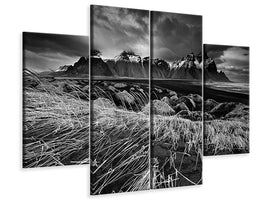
<point x="79" y="68"/>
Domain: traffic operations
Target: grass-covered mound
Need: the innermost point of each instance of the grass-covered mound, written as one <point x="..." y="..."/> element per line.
<point x="119" y="150"/>
<point x="55" y="122"/>
<point x="226" y="137"/>
<point x="119" y="137"/>
<point x="176" y="152"/>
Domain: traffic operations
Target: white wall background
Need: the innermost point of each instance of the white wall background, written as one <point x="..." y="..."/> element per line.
<point x="225" y="22"/>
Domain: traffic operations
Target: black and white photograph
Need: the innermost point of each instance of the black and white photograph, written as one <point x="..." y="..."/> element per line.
<point x="120" y="109"/>
<point x="176" y="98"/>
<point x="226" y="92"/>
<point x="55" y="100"/>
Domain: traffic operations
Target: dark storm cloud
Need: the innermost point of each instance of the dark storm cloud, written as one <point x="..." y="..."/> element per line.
<point x="49" y="51"/>
<point x="116" y="29"/>
<point x="215" y="51"/>
<point x="232" y="60"/>
<point x="211" y="48"/>
<point x="175" y="35"/>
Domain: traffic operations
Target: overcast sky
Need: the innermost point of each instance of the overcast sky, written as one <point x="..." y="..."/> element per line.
<point x="43" y="52"/>
<point x="232" y="60"/>
<point x="116" y="29"/>
<point x="175" y="35"/>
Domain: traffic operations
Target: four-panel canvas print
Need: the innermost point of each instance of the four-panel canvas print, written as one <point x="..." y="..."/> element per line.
<point x="147" y="103"/>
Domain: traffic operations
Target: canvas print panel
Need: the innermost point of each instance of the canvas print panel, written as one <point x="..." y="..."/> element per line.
<point x="226" y="106"/>
<point x="55" y="100"/>
<point x="176" y="98"/>
<point x="119" y="100"/>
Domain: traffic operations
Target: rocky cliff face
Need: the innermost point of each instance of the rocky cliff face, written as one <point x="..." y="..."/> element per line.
<point x="160" y="68"/>
<point x="99" y="67"/>
<point x="189" y="67"/>
<point x="129" y="65"/>
<point x="211" y="72"/>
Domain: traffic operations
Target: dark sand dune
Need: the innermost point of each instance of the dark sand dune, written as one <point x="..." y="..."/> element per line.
<point x="225" y="96"/>
<point x="181" y="86"/>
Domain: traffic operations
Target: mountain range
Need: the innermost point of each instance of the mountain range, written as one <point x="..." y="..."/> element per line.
<point x="128" y="64"/>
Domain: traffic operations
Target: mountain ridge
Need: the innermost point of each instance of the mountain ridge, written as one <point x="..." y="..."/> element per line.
<point x="128" y="64"/>
<point x="132" y="65"/>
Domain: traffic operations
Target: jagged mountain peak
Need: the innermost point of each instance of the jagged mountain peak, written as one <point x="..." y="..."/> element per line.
<point x="161" y="62"/>
<point x="187" y="67"/>
<point x="63" y="68"/>
<point x="126" y="64"/>
<point x="128" y="56"/>
<point x="190" y="57"/>
<point x="189" y="61"/>
<point x="82" y="60"/>
<point x="211" y="72"/>
<point x="79" y="67"/>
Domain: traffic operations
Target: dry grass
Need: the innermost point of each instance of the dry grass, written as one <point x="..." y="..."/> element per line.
<point x="184" y="140"/>
<point x="119" y="150"/>
<point x="55" y="125"/>
<point x="226" y="137"/>
<point x="119" y="143"/>
<point x="177" y="130"/>
<point x="120" y="146"/>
